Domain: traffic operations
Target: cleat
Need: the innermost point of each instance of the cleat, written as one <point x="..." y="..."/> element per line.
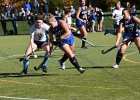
<point x="84" y="47"/>
<point x="44" y="69"/>
<point x="62" y="64"/>
<point x="115" y="66"/>
<point x="81" y="70"/>
<point x="23" y="72"/>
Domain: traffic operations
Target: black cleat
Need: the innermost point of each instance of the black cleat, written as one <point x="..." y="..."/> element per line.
<point x="81" y="70"/>
<point x="84" y="47"/>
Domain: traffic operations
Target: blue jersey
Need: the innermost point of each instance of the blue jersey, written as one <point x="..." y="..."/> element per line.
<point x="83" y="15"/>
<point x="130" y="28"/>
<point x="58" y="31"/>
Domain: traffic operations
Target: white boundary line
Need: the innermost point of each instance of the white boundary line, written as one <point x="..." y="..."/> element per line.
<point x="3" y="58"/>
<point x="18" y="98"/>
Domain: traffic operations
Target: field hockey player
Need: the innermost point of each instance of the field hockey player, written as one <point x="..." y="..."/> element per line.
<point x="38" y="39"/>
<point x="128" y="26"/>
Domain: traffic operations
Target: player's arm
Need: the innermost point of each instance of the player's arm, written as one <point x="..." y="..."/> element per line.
<point x="32" y="38"/>
<point x="66" y="29"/>
<point x="78" y="14"/>
<point x="136" y="19"/>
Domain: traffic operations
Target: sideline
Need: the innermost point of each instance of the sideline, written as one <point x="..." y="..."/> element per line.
<point x="131" y="61"/>
<point x="18" y="98"/>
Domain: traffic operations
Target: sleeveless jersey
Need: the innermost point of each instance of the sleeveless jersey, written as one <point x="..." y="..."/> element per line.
<point x="83" y="13"/>
<point x="57" y="31"/>
<point x="129" y="26"/>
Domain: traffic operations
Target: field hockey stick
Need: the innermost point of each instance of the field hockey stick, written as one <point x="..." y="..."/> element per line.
<point x="20" y="59"/>
<point x="110" y="49"/>
<point x="37" y="68"/>
<point x="78" y="36"/>
<point x="94" y="45"/>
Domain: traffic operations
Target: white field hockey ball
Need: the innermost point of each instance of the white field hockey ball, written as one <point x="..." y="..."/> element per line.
<point x="35" y="56"/>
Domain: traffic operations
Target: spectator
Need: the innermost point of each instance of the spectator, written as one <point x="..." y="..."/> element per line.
<point x="45" y="6"/>
<point x="57" y="12"/>
<point x="36" y="6"/>
<point x="7" y="9"/>
<point x="27" y="6"/>
<point x="22" y="14"/>
<point x="3" y="23"/>
<point x="14" y="23"/>
<point x="27" y="12"/>
<point x="133" y="10"/>
<point x="73" y="12"/>
<point x="99" y="15"/>
<point x="92" y="20"/>
<point x="88" y="26"/>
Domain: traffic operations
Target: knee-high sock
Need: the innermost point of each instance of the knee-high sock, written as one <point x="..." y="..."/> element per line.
<point x="75" y="63"/>
<point x="83" y="42"/>
<point x="25" y="65"/>
<point x="64" y="58"/>
<point x="119" y="57"/>
<point x="45" y="60"/>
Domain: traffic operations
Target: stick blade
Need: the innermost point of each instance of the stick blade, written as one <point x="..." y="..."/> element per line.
<point x="20" y="59"/>
<point x="35" y="68"/>
<point x="103" y="52"/>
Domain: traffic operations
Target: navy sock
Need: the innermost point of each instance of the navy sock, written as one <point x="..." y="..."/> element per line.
<point x="119" y="57"/>
<point x="64" y="58"/>
<point x="75" y="62"/>
<point x="83" y="42"/>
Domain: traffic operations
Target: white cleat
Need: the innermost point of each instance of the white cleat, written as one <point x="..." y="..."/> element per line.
<point x="62" y="64"/>
<point x="115" y="66"/>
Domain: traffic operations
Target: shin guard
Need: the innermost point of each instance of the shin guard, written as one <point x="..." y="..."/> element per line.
<point x="45" y="61"/>
<point x="75" y="63"/>
<point x="83" y="43"/>
<point x="25" y="65"/>
<point x="64" y="58"/>
<point x="119" y="57"/>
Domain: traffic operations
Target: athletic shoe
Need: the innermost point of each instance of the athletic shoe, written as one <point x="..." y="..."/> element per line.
<point x="23" y="72"/>
<point x="115" y="66"/>
<point x="81" y="70"/>
<point x="84" y="47"/>
<point x="62" y="64"/>
<point x="44" y="69"/>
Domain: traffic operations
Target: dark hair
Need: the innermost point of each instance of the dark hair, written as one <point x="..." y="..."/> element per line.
<point x="39" y="17"/>
<point x="67" y="11"/>
<point x="128" y="10"/>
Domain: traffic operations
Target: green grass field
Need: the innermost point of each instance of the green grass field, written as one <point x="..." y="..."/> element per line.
<point x="99" y="82"/>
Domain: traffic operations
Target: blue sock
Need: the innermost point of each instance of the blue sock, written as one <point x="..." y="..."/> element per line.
<point x="25" y="65"/>
<point x="46" y="58"/>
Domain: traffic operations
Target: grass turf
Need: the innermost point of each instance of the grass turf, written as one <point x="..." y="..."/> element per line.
<point x="99" y="82"/>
